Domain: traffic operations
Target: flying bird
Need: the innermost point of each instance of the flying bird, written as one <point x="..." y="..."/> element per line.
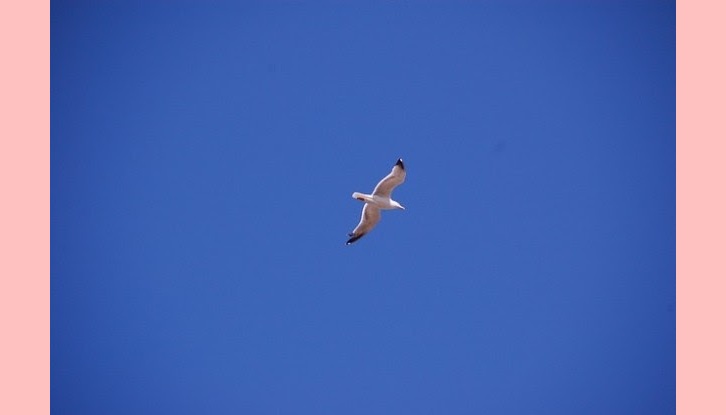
<point x="380" y="199"/>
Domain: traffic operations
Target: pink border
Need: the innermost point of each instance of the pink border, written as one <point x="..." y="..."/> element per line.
<point x="700" y="207"/>
<point x="25" y="207"/>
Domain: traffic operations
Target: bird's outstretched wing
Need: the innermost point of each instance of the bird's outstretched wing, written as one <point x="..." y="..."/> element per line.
<point x="368" y="219"/>
<point x="394" y="178"/>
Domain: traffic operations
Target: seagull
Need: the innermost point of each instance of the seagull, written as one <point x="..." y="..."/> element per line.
<point x="380" y="199"/>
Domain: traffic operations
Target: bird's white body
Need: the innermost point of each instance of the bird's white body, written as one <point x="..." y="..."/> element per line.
<point x="379" y="200"/>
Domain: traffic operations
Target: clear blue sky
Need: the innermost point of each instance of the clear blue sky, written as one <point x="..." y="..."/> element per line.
<point x="203" y="156"/>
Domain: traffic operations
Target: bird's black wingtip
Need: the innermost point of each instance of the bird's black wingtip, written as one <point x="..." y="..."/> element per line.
<point x="353" y="239"/>
<point x="400" y="163"/>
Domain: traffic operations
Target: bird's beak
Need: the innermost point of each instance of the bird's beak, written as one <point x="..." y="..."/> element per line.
<point x="403" y="207"/>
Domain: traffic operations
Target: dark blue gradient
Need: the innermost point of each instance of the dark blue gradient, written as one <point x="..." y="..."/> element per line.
<point x="203" y="155"/>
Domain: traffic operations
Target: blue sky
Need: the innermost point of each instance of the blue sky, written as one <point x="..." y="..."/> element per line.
<point x="202" y="161"/>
